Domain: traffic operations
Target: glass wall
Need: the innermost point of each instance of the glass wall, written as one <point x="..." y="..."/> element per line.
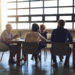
<point x="23" y="13"/>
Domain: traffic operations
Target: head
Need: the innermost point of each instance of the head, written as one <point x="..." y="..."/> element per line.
<point x="35" y="27"/>
<point x="42" y="27"/>
<point x="8" y="27"/>
<point x="61" y="23"/>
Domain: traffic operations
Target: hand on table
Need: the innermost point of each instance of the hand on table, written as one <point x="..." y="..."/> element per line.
<point x="16" y="36"/>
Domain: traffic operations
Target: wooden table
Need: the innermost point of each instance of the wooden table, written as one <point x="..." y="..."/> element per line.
<point x="47" y="42"/>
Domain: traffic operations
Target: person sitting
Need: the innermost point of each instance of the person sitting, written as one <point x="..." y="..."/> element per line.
<point x="44" y="34"/>
<point x="60" y="35"/>
<point x="42" y="30"/>
<point x="7" y="35"/>
<point x="34" y="36"/>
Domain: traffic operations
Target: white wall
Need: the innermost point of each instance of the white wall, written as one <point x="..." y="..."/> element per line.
<point x="0" y="16"/>
<point x="3" y="14"/>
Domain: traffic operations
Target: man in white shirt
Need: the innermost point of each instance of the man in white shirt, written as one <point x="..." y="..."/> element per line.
<point x="7" y="35"/>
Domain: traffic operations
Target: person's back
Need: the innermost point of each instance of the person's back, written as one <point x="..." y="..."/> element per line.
<point x="61" y="35"/>
<point x="32" y="37"/>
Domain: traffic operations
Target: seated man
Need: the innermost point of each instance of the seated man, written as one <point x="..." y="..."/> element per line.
<point x="60" y="35"/>
<point x="6" y="35"/>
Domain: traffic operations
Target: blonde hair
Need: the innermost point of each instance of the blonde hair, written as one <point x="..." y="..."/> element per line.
<point x="8" y="25"/>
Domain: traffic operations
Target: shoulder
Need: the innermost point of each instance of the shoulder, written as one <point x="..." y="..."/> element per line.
<point x="36" y="33"/>
<point x="27" y="33"/>
<point x="54" y="30"/>
<point x="4" y="32"/>
<point x="33" y="33"/>
<point x="66" y="30"/>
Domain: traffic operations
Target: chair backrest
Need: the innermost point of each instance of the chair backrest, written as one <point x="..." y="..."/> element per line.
<point x="30" y="48"/>
<point x="60" y="49"/>
<point x="3" y="47"/>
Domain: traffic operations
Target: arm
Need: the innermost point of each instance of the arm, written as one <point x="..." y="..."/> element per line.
<point x="12" y="37"/>
<point x="70" y="36"/>
<point x="42" y="38"/>
<point x="46" y="35"/>
<point x="52" y="36"/>
<point x="25" y="37"/>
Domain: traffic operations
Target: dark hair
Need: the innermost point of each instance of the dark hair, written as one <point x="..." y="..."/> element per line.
<point x="35" y="27"/>
<point x="61" y="22"/>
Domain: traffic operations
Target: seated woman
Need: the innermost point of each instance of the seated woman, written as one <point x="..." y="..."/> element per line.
<point x="34" y="36"/>
<point x="42" y="30"/>
<point x="44" y="34"/>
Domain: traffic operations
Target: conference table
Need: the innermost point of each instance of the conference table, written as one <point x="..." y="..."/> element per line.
<point x="20" y="41"/>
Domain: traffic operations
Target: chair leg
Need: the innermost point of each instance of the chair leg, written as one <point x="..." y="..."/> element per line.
<point x="44" y="54"/>
<point x="68" y="65"/>
<point x="2" y="56"/>
<point x="27" y="60"/>
<point x="40" y="56"/>
<point x="51" y="64"/>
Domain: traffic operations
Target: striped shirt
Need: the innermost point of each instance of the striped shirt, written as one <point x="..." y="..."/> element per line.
<point x="5" y="36"/>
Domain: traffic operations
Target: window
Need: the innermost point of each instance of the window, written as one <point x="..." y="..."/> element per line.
<point x="22" y="0"/>
<point x="50" y="3"/>
<point x="74" y="2"/>
<point x="50" y="10"/>
<point x="67" y="10"/>
<point x="22" y="15"/>
<point x="74" y="25"/>
<point x="11" y="5"/>
<point x="13" y="25"/>
<point x="65" y="2"/>
<point x="66" y="17"/>
<point x="23" y="25"/>
<point x="51" y="25"/>
<point x="38" y="11"/>
<point x="36" y="18"/>
<point x="36" y="4"/>
<point x="23" y="11"/>
<point x="74" y="9"/>
<point x="23" y="5"/>
<point x="68" y="25"/>
<point x="12" y="19"/>
<point x="23" y="19"/>
<point x="50" y="18"/>
<point x="11" y="12"/>
<point x="10" y="0"/>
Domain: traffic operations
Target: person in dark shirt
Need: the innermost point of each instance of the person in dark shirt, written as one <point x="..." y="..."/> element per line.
<point x="42" y="30"/>
<point x="44" y="34"/>
<point x="60" y="35"/>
